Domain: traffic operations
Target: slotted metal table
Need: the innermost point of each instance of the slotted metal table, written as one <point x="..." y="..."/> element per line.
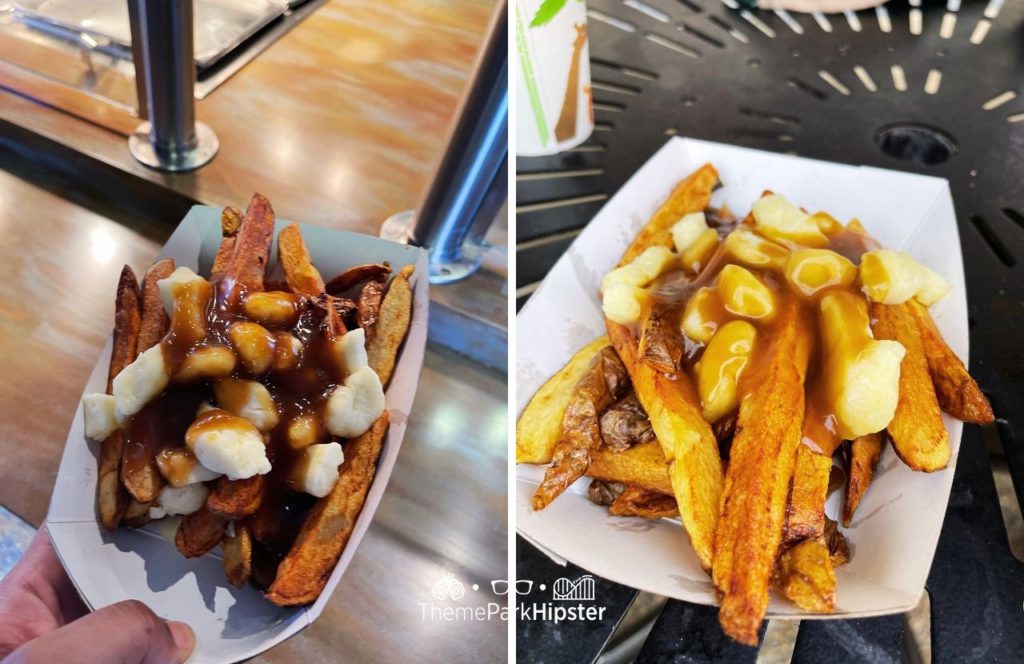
<point x="927" y="87"/>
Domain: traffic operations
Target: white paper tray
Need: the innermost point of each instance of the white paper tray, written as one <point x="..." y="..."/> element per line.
<point x="896" y="528"/>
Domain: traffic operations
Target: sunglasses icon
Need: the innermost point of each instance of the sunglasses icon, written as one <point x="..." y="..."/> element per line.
<point x="500" y="586"/>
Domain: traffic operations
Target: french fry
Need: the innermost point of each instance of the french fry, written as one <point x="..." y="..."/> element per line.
<point x="303" y="572"/>
<point x="238" y="555"/>
<point x="392" y="325"/>
<point x="356" y="275"/>
<point x="691" y="195"/>
<point x="761" y="464"/>
<point x="230" y="221"/>
<point x="368" y="307"/>
<point x="199" y="532"/>
<point x="642" y="465"/>
<point x="220" y="261"/>
<point x="687" y="441"/>
<point x="625" y="424"/>
<point x="863" y="458"/>
<point x="918" y="434"/>
<point x="540" y="426"/>
<point x="600" y="386"/>
<point x="839" y="550"/>
<point x="136" y="514"/>
<point x="299" y="271"/>
<point x="806" y="577"/>
<point x="145" y="483"/>
<point x="805" y="516"/>
<point x="641" y="502"/>
<point x="251" y="250"/>
<point x="112" y="499"/>
<point x="236" y="499"/>
<point x="661" y="345"/>
<point x="958" y="393"/>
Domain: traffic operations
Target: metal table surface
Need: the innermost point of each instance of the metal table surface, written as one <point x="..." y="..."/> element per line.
<point x="949" y="77"/>
<point x="445" y="506"/>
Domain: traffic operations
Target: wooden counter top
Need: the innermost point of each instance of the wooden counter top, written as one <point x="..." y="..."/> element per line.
<point x="340" y="122"/>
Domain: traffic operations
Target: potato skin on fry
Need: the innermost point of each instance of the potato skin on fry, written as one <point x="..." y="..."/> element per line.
<point x="958" y="393"/>
<point x="303" y="572"/>
<point x="687" y="442"/>
<point x="602" y="384"/>
<point x="392" y="325"/>
<point x="806" y="577"/>
<point x="251" y="250"/>
<point x="238" y="555"/>
<point x="805" y="516"/>
<point x="236" y="499"/>
<point x="642" y="465"/>
<point x="917" y="431"/>
<point x="199" y="532"/>
<point x="761" y="463"/>
<point x="864" y="453"/>
<point x="112" y="499"/>
<point x="540" y="426"/>
<point x="356" y="275"/>
<point x="637" y="501"/>
<point x="691" y="195"/>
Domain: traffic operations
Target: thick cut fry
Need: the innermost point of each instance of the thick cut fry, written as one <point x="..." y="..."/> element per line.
<point x="251" y="250"/>
<point x="806" y="577"/>
<point x="661" y="344"/>
<point x="761" y="464"/>
<point x="642" y="465"/>
<point x="145" y="483"/>
<point x="304" y="570"/>
<point x="220" y="261"/>
<point x="357" y="275"/>
<point x="238" y="555"/>
<point x="230" y="221"/>
<point x="154" y="322"/>
<point x="236" y="499"/>
<point x="299" y="271"/>
<point x="918" y="434"/>
<point x="637" y="501"/>
<point x="392" y="325"/>
<point x="368" y="307"/>
<point x="691" y="195"/>
<point x="864" y="454"/>
<point x="603" y="383"/>
<point x="958" y="393"/>
<point x="111" y="496"/>
<point x="625" y="424"/>
<point x="199" y="532"/>
<point x="136" y="514"/>
<point x="540" y="426"/>
<point x="687" y="441"/>
<point x="805" y="517"/>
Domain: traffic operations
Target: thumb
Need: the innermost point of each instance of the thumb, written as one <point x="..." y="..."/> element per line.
<point x="123" y="633"/>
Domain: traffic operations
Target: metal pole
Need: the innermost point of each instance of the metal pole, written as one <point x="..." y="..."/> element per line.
<point x="162" y="46"/>
<point x="464" y="194"/>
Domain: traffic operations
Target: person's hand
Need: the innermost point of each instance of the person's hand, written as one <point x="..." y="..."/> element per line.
<point x="43" y="620"/>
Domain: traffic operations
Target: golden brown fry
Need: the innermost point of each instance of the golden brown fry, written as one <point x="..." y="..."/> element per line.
<point x="761" y="463"/>
<point x="136" y="514"/>
<point x="805" y="516"/>
<point x="236" y="499"/>
<point x="918" y="434"/>
<point x="839" y="550"/>
<point x="154" y="318"/>
<point x="230" y="221"/>
<point x="637" y="501"/>
<point x="601" y="385"/>
<point x="392" y="325"/>
<point x="199" y="532"/>
<point x="691" y="195"/>
<point x="111" y="496"/>
<point x="357" y="275"/>
<point x="864" y="454"/>
<point x="238" y="555"/>
<point x="806" y="577"/>
<point x="303" y="572"/>
<point x="958" y="393"/>
<point x="661" y="344"/>
<point x="220" y="261"/>
<point x="642" y="465"/>
<point x="687" y="441"/>
<point x="251" y="250"/>
<point x="299" y="271"/>
<point x="540" y="426"/>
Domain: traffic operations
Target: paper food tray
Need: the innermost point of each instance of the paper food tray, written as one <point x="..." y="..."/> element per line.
<point x="231" y="624"/>
<point x="896" y="527"/>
